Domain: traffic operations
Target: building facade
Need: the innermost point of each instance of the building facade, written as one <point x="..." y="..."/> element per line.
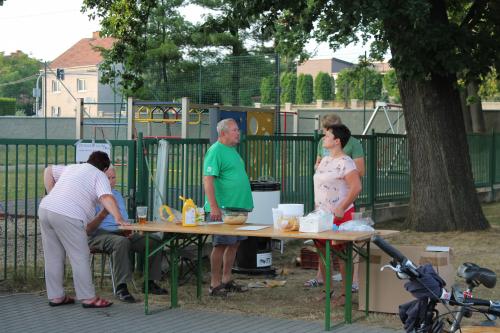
<point x="75" y="75"/>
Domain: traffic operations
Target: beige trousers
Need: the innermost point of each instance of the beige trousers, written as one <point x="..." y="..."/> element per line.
<point x="61" y="236"/>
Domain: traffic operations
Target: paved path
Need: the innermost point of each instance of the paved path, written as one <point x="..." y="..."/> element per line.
<point x="30" y="313"/>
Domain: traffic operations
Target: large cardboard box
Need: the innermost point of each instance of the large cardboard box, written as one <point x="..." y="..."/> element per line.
<point x="387" y="292"/>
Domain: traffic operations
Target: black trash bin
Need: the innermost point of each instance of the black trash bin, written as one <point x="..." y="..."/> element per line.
<point x="255" y="253"/>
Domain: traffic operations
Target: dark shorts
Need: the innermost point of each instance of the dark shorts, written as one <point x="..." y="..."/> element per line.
<point x="224" y="239"/>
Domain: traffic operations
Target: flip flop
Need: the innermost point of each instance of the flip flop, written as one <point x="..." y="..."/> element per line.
<point x="97" y="303"/>
<point x="66" y="300"/>
<point x="313" y="283"/>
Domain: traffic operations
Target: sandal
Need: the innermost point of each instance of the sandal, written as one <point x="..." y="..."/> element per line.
<point x="313" y="283"/>
<point x="217" y="291"/>
<point x="232" y="286"/>
<point x="66" y="300"/>
<point x="97" y="303"/>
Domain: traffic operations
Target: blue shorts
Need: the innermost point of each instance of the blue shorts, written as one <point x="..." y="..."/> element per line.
<point x="224" y="239"/>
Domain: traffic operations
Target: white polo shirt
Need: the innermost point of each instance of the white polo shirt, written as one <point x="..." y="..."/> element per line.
<point x="77" y="191"/>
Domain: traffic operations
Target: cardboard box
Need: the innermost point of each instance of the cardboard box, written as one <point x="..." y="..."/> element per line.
<point x="387" y="292"/>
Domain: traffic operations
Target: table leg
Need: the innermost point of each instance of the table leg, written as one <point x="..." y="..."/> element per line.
<point x="198" y="267"/>
<point x="146" y="273"/>
<point x="328" y="281"/>
<point x="174" y="274"/>
<point x="348" y="284"/>
<point x="367" y="282"/>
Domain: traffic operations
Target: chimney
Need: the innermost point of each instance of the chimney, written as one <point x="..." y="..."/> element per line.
<point x="96" y="35"/>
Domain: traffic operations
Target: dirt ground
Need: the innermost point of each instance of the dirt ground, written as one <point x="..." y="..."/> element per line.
<point x="293" y="300"/>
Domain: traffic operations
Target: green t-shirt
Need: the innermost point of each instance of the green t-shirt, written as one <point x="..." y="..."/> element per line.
<point x="231" y="184"/>
<point x="353" y="149"/>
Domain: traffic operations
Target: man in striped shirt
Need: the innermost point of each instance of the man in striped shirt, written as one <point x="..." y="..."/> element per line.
<point x="73" y="192"/>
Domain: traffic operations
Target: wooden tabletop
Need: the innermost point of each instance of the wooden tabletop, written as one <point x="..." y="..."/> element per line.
<point x="233" y="230"/>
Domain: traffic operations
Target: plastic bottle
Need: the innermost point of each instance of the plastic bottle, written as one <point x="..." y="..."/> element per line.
<point x="335" y="227"/>
<point x="188" y="213"/>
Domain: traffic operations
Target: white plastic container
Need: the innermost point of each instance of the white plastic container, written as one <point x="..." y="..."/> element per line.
<point x="292" y="209"/>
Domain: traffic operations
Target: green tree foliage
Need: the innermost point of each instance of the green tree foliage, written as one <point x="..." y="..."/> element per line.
<point x="390" y="83"/>
<point x="323" y="86"/>
<point x="288" y="84"/>
<point x="345" y="84"/>
<point x="304" y="94"/>
<point x="351" y="83"/>
<point x="430" y="42"/>
<point x="151" y="37"/>
<point x="17" y="79"/>
<point x="7" y="106"/>
<point x="489" y="89"/>
<point x="267" y="90"/>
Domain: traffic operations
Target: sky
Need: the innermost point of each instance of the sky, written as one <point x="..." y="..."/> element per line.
<point x="44" y="29"/>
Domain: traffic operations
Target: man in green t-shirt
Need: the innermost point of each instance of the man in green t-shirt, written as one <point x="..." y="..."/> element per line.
<point x="226" y="185"/>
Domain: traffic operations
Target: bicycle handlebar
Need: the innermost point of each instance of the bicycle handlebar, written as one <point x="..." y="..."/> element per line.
<point x="389" y="249"/>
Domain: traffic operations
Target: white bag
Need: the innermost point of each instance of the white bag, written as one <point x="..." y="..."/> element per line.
<point x="316" y="221"/>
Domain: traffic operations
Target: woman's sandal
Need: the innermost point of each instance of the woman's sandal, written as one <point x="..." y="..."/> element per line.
<point x="65" y="301"/>
<point x="97" y="303"/>
<point x="313" y="283"/>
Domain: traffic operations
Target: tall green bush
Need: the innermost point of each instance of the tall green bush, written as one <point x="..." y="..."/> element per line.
<point x="267" y="90"/>
<point x="304" y="93"/>
<point x="7" y="106"/>
<point x="288" y="83"/>
<point x="323" y="86"/>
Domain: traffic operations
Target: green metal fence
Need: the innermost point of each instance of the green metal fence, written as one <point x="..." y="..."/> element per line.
<point x="289" y="160"/>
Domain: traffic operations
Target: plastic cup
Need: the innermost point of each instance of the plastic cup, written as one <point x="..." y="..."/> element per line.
<point x="142" y="214"/>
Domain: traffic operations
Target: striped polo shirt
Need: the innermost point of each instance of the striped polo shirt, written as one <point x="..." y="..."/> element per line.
<point x="77" y="191"/>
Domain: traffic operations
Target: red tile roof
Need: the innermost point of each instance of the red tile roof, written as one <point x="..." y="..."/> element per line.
<point x="83" y="53"/>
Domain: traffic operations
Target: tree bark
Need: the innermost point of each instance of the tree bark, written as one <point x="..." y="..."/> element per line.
<point x="465" y="111"/>
<point x="443" y="196"/>
<point x="475" y="107"/>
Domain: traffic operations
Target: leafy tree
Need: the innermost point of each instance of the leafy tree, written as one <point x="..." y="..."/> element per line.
<point x="17" y="78"/>
<point x="490" y="87"/>
<point x="345" y="84"/>
<point x="428" y="50"/>
<point x="390" y="82"/>
<point x="150" y="37"/>
<point x="288" y="83"/>
<point x="323" y="86"/>
<point x="304" y="94"/>
<point x="267" y="90"/>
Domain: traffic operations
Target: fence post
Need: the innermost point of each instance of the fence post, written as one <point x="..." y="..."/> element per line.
<point x="141" y="169"/>
<point x="130" y="118"/>
<point x="492" y="166"/>
<point x="131" y="164"/>
<point x="372" y="169"/>
<point x="79" y="120"/>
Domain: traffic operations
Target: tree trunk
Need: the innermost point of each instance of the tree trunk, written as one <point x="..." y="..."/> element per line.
<point x="475" y="107"/>
<point x="465" y="111"/>
<point x="443" y="196"/>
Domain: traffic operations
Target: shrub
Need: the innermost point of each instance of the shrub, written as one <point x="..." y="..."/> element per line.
<point x="7" y="106"/>
<point x="304" y="94"/>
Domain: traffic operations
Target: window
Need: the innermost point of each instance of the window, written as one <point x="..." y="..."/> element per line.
<point x="56" y="86"/>
<point x="56" y="111"/>
<point x="81" y="85"/>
